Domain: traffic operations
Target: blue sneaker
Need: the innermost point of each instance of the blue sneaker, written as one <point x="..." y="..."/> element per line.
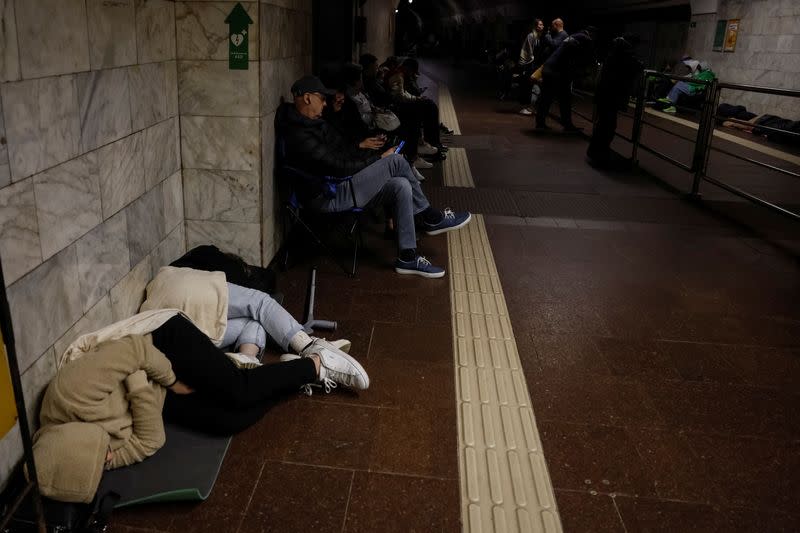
<point x="450" y="221"/>
<point x="419" y="266"/>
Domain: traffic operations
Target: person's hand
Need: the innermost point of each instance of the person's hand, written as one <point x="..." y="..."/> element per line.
<point x="372" y="143"/>
<point x="388" y="152"/>
<point x="181" y="388"/>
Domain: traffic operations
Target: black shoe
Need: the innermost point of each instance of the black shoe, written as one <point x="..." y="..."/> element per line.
<point x="444" y="129"/>
<point x="543" y="127"/>
<point x="442" y="149"/>
<point x="572" y="128"/>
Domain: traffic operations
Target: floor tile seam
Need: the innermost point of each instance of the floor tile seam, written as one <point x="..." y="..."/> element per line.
<point x="347" y="505"/>
<point x="250" y="499"/>
<point x="368" y="470"/>
<point x="504" y="475"/>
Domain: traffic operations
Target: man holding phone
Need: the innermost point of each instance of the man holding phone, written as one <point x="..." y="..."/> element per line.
<point x="377" y="178"/>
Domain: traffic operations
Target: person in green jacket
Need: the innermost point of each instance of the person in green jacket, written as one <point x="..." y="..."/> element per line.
<point x="688" y="88"/>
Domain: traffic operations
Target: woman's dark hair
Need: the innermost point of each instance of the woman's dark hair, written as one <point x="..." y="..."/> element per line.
<point x="411" y="65"/>
<point x="351" y="72"/>
<point x="367" y="60"/>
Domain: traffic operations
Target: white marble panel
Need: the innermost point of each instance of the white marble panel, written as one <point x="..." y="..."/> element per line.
<point x="42" y="123"/>
<point x="34" y="381"/>
<point x="105" y="109"/>
<point x="67" y="202"/>
<point x="44" y="304"/>
<point x="155" y="30"/>
<point x="10" y="453"/>
<point x="210" y="88"/>
<point x="161" y="154"/>
<point x="19" y="231"/>
<point x="96" y="318"/>
<point x="274" y="30"/>
<point x="121" y="173"/>
<point x="112" y="33"/>
<point x="172" y="189"/>
<point x="127" y="296"/>
<point x="171" y="82"/>
<point x="145" y="224"/>
<point x="203" y="34"/>
<point x="225" y="143"/>
<point x="241" y="239"/>
<point x="52" y="37"/>
<point x="148" y="94"/>
<point x="169" y="249"/>
<point x="103" y="259"/>
<point x="9" y="51"/>
<point x="222" y="195"/>
<point x="5" y="169"/>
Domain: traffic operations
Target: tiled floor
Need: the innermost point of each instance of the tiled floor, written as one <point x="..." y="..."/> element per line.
<point x="660" y="342"/>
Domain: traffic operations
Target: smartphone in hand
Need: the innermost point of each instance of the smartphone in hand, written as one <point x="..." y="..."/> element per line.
<point x="399" y="147"/>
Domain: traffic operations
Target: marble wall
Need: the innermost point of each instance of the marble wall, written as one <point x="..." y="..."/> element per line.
<point x="380" y="28"/>
<point x="91" y="188"/>
<point x="767" y="51"/>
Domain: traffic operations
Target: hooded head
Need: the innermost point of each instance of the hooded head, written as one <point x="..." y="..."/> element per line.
<point x="69" y="460"/>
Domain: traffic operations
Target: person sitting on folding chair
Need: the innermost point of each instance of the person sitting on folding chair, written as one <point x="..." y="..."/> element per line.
<point x="377" y="178"/>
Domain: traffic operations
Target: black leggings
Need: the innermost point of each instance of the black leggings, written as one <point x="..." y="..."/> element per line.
<point x="227" y="399"/>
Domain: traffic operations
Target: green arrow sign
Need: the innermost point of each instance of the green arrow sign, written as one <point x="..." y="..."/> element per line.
<point x="238" y="42"/>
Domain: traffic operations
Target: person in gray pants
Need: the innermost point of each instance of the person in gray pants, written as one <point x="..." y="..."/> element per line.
<point x="377" y="178"/>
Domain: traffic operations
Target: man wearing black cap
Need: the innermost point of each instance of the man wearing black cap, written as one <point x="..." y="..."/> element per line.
<point x="387" y="178"/>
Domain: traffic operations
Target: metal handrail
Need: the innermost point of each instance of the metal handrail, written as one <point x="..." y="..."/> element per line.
<point x="705" y="133"/>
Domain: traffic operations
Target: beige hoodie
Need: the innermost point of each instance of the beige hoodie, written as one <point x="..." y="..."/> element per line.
<point x="118" y="387"/>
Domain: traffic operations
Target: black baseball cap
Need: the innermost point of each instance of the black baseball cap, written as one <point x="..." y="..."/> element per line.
<point x="310" y="84"/>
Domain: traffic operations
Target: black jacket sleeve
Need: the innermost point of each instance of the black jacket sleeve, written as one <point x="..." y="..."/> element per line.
<point x="331" y="158"/>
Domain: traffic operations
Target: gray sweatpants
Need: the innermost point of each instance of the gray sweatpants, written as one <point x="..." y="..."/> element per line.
<point x="388" y="182"/>
<point x="253" y="315"/>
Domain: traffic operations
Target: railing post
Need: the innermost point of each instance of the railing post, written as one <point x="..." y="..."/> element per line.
<point x="638" y="118"/>
<point x="705" y="133"/>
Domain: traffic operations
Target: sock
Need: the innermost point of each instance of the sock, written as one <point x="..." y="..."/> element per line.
<point x="409" y="254"/>
<point x="431" y="216"/>
<point x="300" y="341"/>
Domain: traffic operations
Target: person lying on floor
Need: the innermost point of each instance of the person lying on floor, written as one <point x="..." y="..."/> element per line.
<point x="239" y="318"/>
<point x="377" y="178"/>
<point x="103" y="409"/>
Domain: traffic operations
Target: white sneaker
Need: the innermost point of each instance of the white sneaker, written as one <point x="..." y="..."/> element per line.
<point x="427" y="149"/>
<point x="527" y="111"/>
<point x="335" y="368"/>
<point x="243" y="360"/>
<point x="417" y="174"/>
<point x="341" y="344"/>
<point x="421" y="163"/>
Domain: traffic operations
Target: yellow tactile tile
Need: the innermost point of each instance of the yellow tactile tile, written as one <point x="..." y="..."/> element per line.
<point x="505" y="485"/>
<point x="447" y="113"/>
<point x="456" y="169"/>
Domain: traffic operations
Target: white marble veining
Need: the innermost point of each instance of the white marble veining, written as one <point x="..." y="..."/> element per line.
<point x="155" y="30"/>
<point x="96" y="318"/>
<point x="127" y="296"/>
<point x="145" y="223"/>
<point x="52" y="37"/>
<point x="148" y="94"/>
<point x="44" y="304"/>
<point x="210" y="88"/>
<point x="277" y="77"/>
<point x="112" y="33"/>
<point x="19" y="231"/>
<point x="172" y="188"/>
<point x="34" y="381"/>
<point x="67" y="202"/>
<point x="226" y="143"/>
<point x="161" y="154"/>
<point x="42" y="123"/>
<point x="9" y="52"/>
<point x="169" y="249"/>
<point x="171" y="83"/>
<point x="105" y="109"/>
<point x="222" y="195"/>
<point x="241" y="239"/>
<point x="121" y="173"/>
<point x="203" y="34"/>
<point x="103" y="259"/>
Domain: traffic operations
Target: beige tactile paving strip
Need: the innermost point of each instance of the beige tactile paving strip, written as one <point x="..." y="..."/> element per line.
<point x="456" y="169"/>
<point x="447" y="112"/>
<point x="505" y="485"/>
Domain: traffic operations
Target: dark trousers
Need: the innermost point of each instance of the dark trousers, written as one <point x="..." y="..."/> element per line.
<point x="555" y="85"/>
<point x="408" y="131"/>
<point x="426" y="114"/>
<point x="227" y="399"/>
<point x="603" y="132"/>
<point x="525" y="85"/>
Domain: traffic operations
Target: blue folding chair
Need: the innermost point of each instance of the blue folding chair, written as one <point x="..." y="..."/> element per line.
<point x="296" y="213"/>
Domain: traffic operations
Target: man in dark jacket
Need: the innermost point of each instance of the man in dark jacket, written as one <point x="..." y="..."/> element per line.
<point x="377" y="178"/>
<point x="560" y="69"/>
<point x="617" y="78"/>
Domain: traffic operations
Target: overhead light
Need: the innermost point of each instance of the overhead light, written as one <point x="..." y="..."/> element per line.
<point x="397" y="11"/>
<point x="410" y="1"/>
